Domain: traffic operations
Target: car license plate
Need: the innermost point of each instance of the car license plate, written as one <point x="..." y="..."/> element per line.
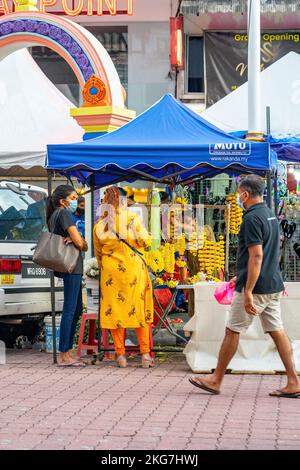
<point x="7" y="279"/>
<point x="31" y="270"/>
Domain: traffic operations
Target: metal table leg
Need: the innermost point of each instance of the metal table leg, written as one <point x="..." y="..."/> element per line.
<point x="163" y="320"/>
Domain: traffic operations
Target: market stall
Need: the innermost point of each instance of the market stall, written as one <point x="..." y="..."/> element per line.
<point x="167" y="144"/>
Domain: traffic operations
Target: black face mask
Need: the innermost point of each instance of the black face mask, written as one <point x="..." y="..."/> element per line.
<point x="80" y="211"/>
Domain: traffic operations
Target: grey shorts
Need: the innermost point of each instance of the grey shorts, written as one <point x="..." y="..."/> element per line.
<point x="267" y="307"/>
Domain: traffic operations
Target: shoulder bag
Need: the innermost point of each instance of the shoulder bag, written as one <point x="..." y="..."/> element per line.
<point x="138" y="253"/>
<point x="51" y="251"/>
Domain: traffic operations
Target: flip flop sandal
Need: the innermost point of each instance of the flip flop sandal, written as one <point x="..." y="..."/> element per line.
<point x="204" y="387"/>
<point x="280" y="394"/>
<point x="71" y="364"/>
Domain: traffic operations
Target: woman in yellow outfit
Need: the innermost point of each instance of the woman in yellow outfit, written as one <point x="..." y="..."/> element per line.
<point x="125" y="286"/>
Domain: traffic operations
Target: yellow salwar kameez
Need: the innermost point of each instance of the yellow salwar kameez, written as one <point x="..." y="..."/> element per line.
<point x="125" y="286"/>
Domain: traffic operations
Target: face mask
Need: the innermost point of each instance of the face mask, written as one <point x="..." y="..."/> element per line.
<point x="239" y="203"/>
<point x="72" y="205"/>
<point x="80" y="210"/>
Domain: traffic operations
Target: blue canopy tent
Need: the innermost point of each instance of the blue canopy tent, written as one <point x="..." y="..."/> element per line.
<point x="287" y="147"/>
<point x="168" y="141"/>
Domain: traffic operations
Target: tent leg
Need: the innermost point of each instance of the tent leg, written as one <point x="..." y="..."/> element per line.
<point x="275" y="194"/>
<point x="99" y="332"/>
<point x="52" y="288"/>
<point x="100" y="353"/>
<point x="269" y="189"/>
<point x="92" y="216"/>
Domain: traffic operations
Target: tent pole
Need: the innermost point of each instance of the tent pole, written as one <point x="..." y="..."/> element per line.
<point x="269" y="175"/>
<point x="52" y="287"/>
<point x="254" y="80"/>
<point x="99" y="334"/>
<point x="275" y="178"/>
<point x="92" y="212"/>
<point x="269" y="189"/>
<point x="268" y="120"/>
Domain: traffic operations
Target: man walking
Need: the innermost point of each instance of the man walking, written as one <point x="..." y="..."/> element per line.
<point x="258" y="288"/>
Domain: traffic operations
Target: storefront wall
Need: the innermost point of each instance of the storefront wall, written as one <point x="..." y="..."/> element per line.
<point x="148" y="64"/>
<point x="196" y="26"/>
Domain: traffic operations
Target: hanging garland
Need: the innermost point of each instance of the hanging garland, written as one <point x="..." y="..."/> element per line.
<point x="236" y="214"/>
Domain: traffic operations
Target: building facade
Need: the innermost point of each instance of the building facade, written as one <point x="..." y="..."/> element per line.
<point x="215" y="44"/>
<point x="136" y="34"/>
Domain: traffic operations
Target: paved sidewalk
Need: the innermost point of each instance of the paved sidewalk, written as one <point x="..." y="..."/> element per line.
<point x="103" y="407"/>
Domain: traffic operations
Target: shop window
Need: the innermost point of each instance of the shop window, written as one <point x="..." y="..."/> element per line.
<point x="195" y="65"/>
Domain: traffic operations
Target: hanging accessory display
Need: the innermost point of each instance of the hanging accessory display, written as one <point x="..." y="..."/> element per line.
<point x="288" y="229"/>
<point x="297" y="249"/>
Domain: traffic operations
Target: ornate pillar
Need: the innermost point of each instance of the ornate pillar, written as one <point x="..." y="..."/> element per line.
<point x="96" y="116"/>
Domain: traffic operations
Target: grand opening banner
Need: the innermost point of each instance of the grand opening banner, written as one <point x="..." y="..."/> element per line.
<point x="226" y="58"/>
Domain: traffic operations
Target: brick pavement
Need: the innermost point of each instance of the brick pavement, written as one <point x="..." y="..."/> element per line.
<point x="103" y="407"/>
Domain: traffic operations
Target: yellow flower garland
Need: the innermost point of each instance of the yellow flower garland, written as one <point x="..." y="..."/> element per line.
<point x="180" y="244"/>
<point x="236" y="214"/>
<point x="212" y="256"/>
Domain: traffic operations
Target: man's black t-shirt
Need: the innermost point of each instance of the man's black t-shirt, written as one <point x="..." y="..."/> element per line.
<point x="260" y="227"/>
<point x="63" y="221"/>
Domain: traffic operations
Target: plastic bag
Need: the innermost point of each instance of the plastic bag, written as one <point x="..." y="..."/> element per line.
<point x="224" y="293"/>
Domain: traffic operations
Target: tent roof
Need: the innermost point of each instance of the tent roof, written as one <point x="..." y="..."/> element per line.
<point x="33" y="112"/>
<point x="166" y="140"/>
<point x="279" y="91"/>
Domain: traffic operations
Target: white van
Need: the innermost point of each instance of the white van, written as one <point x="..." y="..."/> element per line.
<point x="24" y="286"/>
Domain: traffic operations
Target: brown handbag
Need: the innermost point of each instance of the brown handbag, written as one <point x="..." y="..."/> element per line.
<point x="51" y="252"/>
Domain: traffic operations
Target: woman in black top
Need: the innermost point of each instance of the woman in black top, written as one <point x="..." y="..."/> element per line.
<point x="64" y="200"/>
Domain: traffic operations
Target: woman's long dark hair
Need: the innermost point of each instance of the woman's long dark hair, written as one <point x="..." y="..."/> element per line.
<point x="112" y="198"/>
<point x="61" y="192"/>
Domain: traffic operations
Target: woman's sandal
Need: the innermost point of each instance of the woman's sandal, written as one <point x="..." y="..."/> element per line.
<point x="71" y="364"/>
<point x="147" y="362"/>
<point x="121" y="361"/>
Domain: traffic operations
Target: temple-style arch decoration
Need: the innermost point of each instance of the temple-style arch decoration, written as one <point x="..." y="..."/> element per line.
<point x="84" y="54"/>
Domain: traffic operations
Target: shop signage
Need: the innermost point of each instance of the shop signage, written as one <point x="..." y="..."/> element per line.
<point x="230" y="148"/>
<point x="226" y="58"/>
<point x="74" y="7"/>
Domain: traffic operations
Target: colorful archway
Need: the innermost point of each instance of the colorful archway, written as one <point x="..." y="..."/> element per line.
<point x="85" y="55"/>
<point x="81" y="50"/>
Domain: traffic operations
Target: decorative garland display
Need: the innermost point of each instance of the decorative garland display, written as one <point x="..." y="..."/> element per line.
<point x="236" y="214"/>
<point x="212" y="256"/>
